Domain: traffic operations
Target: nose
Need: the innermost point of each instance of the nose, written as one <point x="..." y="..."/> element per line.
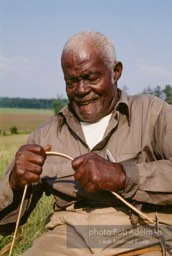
<point x="82" y="88"/>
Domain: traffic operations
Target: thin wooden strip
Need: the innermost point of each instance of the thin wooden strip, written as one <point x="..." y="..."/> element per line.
<point x="18" y="219"/>
<point x="141" y="214"/>
<point x="49" y="153"/>
<point x="52" y="153"/>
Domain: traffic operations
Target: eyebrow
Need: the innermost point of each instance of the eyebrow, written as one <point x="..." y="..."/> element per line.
<point x="84" y="74"/>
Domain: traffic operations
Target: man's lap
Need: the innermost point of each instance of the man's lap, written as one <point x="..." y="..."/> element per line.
<point x="103" y="232"/>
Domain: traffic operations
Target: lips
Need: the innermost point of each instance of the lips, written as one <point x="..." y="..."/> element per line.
<point x="84" y="103"/>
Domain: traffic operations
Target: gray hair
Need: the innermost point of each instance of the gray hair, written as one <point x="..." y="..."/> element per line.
<point x="100" y="42"/>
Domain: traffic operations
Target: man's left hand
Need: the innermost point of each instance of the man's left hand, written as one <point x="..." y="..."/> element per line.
<point x="96" y="173"/>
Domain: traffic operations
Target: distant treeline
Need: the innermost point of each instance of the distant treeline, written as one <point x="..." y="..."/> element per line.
<point x="6" y="102"/>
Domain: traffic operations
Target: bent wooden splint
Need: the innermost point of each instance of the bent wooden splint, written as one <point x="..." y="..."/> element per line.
<point x="51" y="153"/>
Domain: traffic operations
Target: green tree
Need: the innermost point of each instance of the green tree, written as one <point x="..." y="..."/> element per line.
<point x="168" y="93"/>
<point x="13" y="130"/>
<point x="148" y="90"/>
<point x="157" y="91"/>
<point x="59" y="104"/>
<point x="165" y="94"/>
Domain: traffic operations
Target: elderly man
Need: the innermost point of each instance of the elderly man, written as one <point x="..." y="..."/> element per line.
<point x="118" y="143"/>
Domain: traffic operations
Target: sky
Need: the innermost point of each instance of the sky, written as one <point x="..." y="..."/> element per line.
<point x="33" y="33"/>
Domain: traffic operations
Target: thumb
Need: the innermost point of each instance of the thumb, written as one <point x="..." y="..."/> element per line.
<point x="47" y="148"/>
<point x="77" y="162"/>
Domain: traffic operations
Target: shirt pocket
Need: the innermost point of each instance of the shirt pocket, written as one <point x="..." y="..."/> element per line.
<point x="133" y="157"/>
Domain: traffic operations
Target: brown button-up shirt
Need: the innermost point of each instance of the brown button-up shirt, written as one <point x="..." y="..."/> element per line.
<point x="139" y="136"/>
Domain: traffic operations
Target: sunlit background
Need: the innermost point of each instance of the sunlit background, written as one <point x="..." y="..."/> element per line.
<point x="32" y="35"/>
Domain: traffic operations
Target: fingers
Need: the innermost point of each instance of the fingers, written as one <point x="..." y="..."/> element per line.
<point x="23" y="178"/>
<point x="96" y="173"/>
<point x="85" y="171"/>
<point x="28" y="165"/>
<point x="76" y="164"/>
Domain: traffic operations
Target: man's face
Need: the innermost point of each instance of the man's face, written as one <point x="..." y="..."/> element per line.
<point x="89" y="85"/>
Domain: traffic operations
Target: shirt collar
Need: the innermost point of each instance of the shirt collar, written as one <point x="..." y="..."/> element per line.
<point x="122" y="106"/>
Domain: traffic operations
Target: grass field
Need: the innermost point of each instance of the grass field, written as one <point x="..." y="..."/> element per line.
<point x="26" y="120"/>
<point x="8" y="146"/>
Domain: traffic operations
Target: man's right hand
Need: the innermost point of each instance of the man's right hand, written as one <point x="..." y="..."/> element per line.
<point x="28" y="164"/>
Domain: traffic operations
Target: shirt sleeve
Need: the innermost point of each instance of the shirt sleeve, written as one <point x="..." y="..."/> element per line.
<point x="151" y="182"/>
<point x="10" y="202"/>
<point x="6" y="193"/>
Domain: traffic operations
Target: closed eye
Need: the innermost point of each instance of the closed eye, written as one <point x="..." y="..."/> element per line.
<point x="91" y="78"/>
<point x="70" y="81"/>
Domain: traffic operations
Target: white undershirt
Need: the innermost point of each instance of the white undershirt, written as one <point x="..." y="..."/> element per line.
<point x="94" y="132"/>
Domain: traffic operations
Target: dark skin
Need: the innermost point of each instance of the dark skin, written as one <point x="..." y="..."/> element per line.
<point x="92" y="94"/>
<point x="89" y="84"/>
<point x="96" y="173"/>
<point x="28" y="164"/>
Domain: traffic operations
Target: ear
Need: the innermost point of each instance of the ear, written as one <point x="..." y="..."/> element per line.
<point x="118" y="67"/>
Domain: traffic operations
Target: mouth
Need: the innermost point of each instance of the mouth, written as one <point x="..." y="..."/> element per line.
<point x="84" y="103"/>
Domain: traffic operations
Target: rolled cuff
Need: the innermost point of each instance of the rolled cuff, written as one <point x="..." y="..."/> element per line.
<point x="132" y="178"/>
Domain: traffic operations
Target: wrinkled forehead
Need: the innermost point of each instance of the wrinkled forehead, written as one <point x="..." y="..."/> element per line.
<point x="81" y="53"/>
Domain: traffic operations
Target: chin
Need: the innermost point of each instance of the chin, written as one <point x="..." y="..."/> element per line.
<point x="92" y="118"/>
<point x="88" y="113"/>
